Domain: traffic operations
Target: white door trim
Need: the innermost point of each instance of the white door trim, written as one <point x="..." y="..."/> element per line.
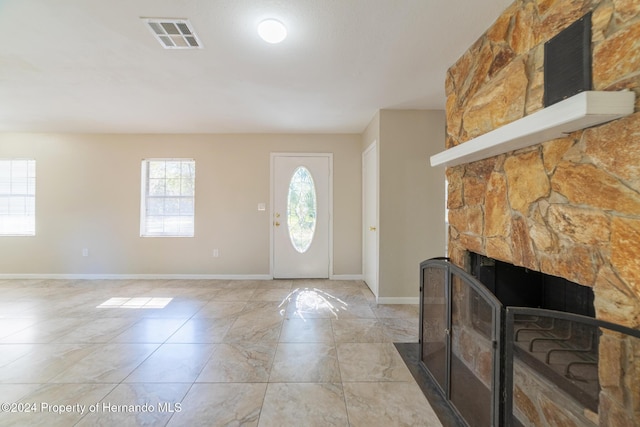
<point x="272" y="203"/>
<point x="372" y="147"/>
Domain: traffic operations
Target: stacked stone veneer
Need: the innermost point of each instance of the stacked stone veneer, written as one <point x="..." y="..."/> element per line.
<point x="568" y="207"/>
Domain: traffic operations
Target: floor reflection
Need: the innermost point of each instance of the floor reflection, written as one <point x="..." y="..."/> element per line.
<point x="307" y="302"/>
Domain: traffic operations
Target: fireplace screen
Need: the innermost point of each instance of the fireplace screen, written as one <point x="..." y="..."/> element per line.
<point x="568" y="350"/>
<point x="522" y="366"/>
<point x="460" y="341"/>
<point x="433" y="326"/>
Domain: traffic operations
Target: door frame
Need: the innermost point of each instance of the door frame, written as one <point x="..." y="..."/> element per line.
<point x="372" y="147"/>
<point x="272" y="203"/>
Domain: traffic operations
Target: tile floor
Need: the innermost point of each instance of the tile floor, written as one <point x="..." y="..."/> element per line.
<point x="241" y="353"/>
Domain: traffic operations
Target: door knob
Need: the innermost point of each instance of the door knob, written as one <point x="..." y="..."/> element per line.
<point x="372" y="228"/>
<point x="276" y="223"/>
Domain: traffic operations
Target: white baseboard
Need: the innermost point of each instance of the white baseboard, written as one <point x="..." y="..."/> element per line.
<point x="398" y="300"/>
<point x="137" y="276"/>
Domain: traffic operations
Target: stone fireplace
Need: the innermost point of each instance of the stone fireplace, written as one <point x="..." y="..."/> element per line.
<point x="568" y="207"/>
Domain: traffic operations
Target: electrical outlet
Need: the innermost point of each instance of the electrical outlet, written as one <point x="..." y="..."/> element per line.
<point x="85" y="252"/>
<point x="216" y="253"/>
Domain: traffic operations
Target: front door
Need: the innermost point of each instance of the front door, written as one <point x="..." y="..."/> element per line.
<point x="300" y="215"/>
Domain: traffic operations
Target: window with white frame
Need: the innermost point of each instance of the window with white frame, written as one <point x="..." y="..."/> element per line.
<point x="17" y="197"/>
<point x="168" y="197"/>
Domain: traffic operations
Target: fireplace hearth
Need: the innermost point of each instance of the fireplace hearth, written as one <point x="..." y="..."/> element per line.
<point x="497" y="364"/>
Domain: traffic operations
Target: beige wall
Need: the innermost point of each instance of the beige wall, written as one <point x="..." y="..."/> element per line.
<point x="88" y="196"/>
<point x="411" y="198"/>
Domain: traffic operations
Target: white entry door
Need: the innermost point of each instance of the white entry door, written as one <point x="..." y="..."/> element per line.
<point x="370" y="217"/>
<point x="301" y="215"/>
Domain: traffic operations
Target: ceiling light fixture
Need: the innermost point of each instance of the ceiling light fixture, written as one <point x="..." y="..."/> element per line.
<point x="272" y="31"/>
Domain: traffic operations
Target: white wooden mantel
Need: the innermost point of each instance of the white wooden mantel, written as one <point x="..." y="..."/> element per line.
<point x="580" y="111"/>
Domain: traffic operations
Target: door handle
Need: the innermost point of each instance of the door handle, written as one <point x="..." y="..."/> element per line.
<point x="372" y="228"/>
<point x="276" y="223"/>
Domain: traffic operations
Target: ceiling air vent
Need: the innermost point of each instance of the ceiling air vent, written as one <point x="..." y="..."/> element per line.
<point x="173" y="33"/>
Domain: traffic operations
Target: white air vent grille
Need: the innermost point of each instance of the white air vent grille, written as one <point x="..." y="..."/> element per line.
<point x="173" y="33"/>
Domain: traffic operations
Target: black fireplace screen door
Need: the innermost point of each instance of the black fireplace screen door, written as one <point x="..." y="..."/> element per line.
<point x="460" y="342"/>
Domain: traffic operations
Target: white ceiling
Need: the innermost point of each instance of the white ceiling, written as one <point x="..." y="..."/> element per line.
<point x="93" y="66"/>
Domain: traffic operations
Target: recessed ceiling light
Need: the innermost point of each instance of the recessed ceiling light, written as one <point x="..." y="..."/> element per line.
<point x="173" y="33"/>
<point x="272" y="31"/>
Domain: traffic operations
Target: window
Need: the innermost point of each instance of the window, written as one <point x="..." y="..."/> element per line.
<point x="17" y="197"/>
<point x="168" y="193"/>
<point x="301" y="209"/>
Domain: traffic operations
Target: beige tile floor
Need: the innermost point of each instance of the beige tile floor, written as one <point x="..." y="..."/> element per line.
<point x="239" y="353"/>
